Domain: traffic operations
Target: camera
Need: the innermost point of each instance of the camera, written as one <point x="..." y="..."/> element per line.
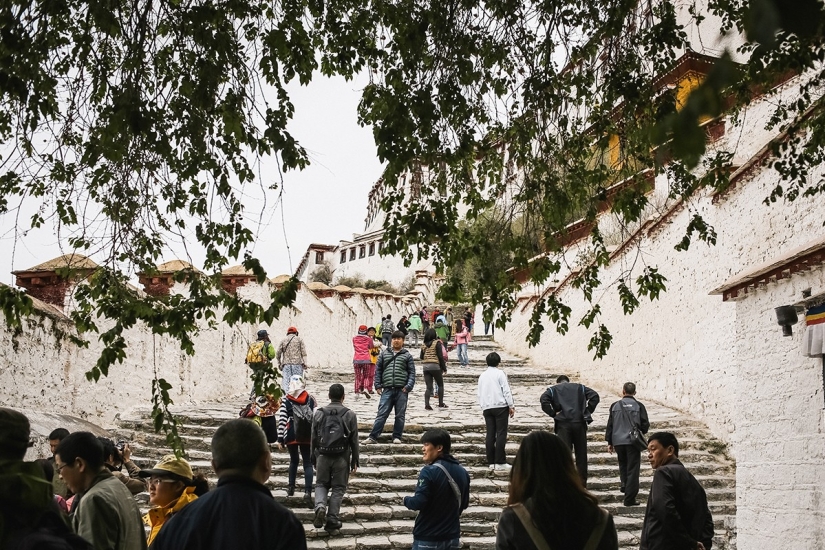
<point x="121" y="445"/>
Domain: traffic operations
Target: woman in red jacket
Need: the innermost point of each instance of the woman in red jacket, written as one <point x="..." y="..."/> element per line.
<point x="362" y="361"/>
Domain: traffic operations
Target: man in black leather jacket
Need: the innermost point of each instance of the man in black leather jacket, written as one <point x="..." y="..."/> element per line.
<point x="677" y="515"/>
<point x="571" y="406"/>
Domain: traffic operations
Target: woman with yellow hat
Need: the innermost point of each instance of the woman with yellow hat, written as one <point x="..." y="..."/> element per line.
<point x="171" y="487"/>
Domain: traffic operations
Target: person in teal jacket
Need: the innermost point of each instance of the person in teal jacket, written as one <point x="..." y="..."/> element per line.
<point x="415" y="327"/>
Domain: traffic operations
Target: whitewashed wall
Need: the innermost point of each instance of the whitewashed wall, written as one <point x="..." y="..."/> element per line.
<point x="723" y="362"/>
<point x="780" y="435"/>
<point x="42" y="369"/>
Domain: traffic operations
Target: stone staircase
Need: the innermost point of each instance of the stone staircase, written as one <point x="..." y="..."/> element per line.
<point x="373" y="513"/>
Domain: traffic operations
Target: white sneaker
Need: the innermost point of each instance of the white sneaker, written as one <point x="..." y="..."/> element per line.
<point x="396" y="440"/>
<point x="503" y="467"/>
<point x="492" y="467"/>
<point x="369" y="441"/>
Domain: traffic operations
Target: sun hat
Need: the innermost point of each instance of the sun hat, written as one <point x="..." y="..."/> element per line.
<point x="292" y="330"/>
<point x="296" y="385"/>
<point x="362" y="329"/>
<point x="170" y="465"/>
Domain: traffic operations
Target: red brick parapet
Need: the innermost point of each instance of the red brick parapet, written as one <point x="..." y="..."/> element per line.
<point x="54" y="280"/>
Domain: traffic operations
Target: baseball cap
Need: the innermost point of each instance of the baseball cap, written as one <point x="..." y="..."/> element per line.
<point x="170" y="465"/>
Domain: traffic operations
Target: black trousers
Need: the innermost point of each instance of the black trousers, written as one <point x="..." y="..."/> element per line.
<point x="497" y="421"/>
<point x="269" y="424"/>
<point x="574" y="435"/>
<point x="629" y="463"/>
<point x="428" y="380"/>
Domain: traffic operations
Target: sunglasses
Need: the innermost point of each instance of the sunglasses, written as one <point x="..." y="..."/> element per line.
<point x="156" y="480"/>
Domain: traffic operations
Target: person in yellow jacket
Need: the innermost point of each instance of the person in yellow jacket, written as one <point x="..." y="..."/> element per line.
<point x="171" y="487"/>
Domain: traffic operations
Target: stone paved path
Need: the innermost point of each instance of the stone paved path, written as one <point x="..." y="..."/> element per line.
<point x="373" y="514"/>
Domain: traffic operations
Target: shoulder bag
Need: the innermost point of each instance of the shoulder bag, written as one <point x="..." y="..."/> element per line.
<point x="637" y="438"/>
<point x="541" y="543"/>
<point x="453" y="484"/>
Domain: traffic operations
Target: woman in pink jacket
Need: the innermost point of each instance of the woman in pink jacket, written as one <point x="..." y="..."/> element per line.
<point x="462" y="336"/>
<point x="362" y="361"/>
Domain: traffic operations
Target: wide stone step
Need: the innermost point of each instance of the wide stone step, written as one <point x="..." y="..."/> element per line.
<point x="693" y="459"/>
<point x="462" y="443"/>
<point x="203" y="424"/>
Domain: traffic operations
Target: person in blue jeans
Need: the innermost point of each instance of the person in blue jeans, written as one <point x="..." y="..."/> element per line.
<point x="441" y="494"/>
<point x="394" y="380"/>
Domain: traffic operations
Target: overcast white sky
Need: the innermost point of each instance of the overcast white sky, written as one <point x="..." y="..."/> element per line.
<point x="324" y="203"/>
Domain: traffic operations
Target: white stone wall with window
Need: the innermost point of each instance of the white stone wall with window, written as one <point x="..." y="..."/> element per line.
<point x="365" y="260"/>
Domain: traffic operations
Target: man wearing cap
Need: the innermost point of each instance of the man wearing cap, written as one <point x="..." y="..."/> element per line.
<point x="292" y="357"/>
<point x="104" y="512"/>
<point x="26" y="500"/>
<point x="240" y="512"/>
<point x="171" y="487"/>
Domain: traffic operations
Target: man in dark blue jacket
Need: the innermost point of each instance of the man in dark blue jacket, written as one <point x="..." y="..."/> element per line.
<point x="240" y="512"/>
<point x="394" y="380"/>
<point x="442" y="493"/>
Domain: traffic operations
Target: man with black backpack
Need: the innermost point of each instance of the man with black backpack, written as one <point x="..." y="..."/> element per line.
<point x="335" y="455"/>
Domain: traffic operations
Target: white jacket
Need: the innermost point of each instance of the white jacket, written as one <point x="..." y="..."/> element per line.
<point x="494" y="390"/>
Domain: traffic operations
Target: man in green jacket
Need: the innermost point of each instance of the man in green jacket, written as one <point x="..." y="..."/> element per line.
<point x="394" y="380"/>
<point x="106" y="515"/>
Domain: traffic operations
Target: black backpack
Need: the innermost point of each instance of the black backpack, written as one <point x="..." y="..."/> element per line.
<point x="301" y="420"/>
<point x="333" y="435"/>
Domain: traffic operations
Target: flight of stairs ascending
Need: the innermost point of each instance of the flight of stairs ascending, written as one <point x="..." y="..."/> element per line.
<point x="373" y="513"/>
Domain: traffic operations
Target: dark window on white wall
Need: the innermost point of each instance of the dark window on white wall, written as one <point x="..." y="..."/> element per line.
<point x="319" y="257"/>
<point x="372" y="249"/>
<point x="352" y="254"/>
<point x="362" y="252"/>
<point x="343" y="256"/>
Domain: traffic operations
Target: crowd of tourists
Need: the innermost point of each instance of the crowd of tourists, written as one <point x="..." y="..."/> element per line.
<point x="81" y="497"/>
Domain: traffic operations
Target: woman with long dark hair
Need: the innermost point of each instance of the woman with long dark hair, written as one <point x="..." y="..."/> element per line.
<point x="435" y="364"/>
<point x="548" y="507"/>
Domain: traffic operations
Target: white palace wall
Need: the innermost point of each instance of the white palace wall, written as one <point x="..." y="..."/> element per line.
<point x="726" y="363"/>
<point x="41" y="369"/>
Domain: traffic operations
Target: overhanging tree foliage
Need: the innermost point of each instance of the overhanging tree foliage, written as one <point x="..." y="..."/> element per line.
<point x="129" y="123"/>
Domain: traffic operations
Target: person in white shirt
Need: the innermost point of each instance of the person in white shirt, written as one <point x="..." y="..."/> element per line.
<point x="496" y="402"/>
